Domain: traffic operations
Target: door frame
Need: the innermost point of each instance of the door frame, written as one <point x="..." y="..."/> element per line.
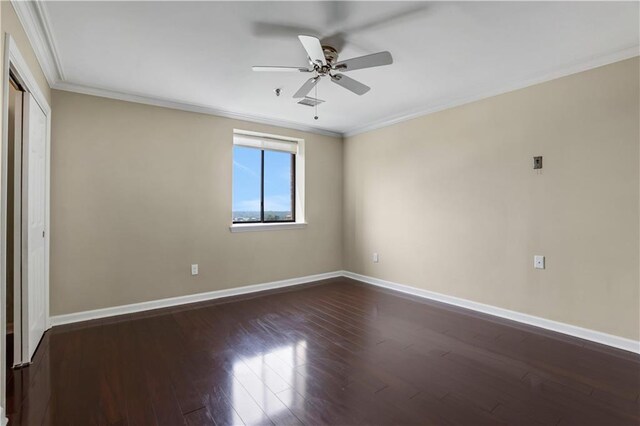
<point x="17" y="232"/>
<point x="15" y="63"/>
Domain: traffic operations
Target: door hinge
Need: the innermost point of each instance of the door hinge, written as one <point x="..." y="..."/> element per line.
<point x="42" y="234"/>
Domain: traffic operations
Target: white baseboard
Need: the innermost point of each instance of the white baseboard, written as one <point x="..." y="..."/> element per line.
<point x="571" y="330"/>
<point x="181" y="300"/>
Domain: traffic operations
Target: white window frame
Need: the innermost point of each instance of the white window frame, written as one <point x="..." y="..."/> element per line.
<point x="299" y="189"/>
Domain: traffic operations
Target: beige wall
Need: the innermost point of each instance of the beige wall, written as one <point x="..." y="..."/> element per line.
<point x="449" y="201"/>
<point x="139" y="193"/>
<point x="452" y="205"/>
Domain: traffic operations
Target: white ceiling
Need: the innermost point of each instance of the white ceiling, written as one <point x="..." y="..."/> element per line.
<point x="201" y="53"/>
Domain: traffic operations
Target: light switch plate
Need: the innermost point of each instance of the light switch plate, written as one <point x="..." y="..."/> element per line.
<point x="538" y="262"/>
<point x="194" y="269"/>
<point x="537" y="162"/>
<point x="376" y="258"/>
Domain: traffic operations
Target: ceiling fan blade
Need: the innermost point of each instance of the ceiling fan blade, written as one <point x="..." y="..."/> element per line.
<point x="306" y="87"/>
<point x="314" y="49"/>
<point x="285" y="69"/>
<point x="350" y="84"/>
<point x="367" y="61"/>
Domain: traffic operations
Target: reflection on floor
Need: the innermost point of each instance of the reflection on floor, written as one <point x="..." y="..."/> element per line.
<point x="339" y="352"/>
<point x="286" y="381"/>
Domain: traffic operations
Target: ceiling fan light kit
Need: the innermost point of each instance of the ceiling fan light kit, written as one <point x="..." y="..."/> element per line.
<point x="323" y="62"/>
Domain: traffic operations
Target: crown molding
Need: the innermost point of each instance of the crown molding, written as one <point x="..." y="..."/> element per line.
<point x="570" y="69"/>
<point x="573" y="68"/>
<point x="34" y="19"/>
<point x="183" y="106"/>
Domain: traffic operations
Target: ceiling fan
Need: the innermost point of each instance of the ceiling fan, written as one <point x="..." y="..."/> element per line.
<point x="323" y="62"/>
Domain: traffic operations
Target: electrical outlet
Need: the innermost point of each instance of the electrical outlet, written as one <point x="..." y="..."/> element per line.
<point x="376" y="258"/>
<point x="538" y="262"/>
<point x="194" y="269"/>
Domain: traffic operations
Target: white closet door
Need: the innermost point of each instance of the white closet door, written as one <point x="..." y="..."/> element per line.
<point x="34" y="199"/>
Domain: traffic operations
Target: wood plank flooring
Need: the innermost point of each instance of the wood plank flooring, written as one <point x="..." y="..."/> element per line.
<point x="337" y="352"/>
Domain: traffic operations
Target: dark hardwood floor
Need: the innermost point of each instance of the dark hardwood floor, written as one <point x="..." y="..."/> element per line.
<point x="338" y="352"/>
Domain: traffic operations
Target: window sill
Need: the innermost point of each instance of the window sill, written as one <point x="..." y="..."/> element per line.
<point x="252" y="227"/>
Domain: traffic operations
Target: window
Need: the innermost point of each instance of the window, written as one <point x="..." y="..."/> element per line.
<point x="266" y="179"/>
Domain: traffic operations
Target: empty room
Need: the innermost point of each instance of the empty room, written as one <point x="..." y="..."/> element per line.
<point x="320" y="213"/>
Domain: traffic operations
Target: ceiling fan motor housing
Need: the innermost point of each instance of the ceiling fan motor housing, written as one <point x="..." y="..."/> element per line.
<point x="330" y="54"/>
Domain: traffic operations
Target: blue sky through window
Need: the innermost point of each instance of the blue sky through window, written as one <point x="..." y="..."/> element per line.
<point x="246" y="179"/>
<point x="277" y="183"/>
<point x="246" y="184"/>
